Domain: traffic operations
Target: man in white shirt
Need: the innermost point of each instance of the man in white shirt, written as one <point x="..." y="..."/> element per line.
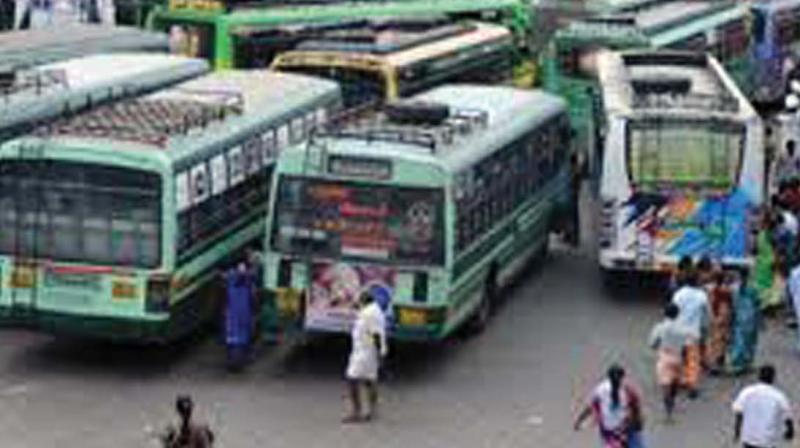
<point x="763" y="413"/>
<point x="694" y="312"/>
<point x="669" y="338"/>
<point x="368" y="347"/>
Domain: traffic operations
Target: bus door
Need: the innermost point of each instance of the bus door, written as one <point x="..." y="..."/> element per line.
<point x="25" y="276"/>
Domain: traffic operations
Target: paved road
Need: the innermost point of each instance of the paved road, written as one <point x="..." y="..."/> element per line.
<point x="517" y="385"/>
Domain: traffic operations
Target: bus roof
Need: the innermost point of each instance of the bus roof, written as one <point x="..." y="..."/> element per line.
<point x="33" y="47"/>
<point x="182" y="119"/>
<point x="408" y="48"/>
<point x="664" y="21"/>
<point x="48" y="90"/>
<point x="675" y="83"/>
<point x="508" y="113"/>
<point x="322" y="11"/>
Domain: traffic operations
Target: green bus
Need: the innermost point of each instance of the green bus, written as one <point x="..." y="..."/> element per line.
<point x="568" y="65"/>
<point x="251" y="36"/>
<point x="440" y="198"/>
<point x="115" y="222"/>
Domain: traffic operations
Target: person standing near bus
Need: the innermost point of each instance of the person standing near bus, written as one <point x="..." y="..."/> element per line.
<point x="670" y="339"/>
<point x="746" y="321"/>
<point x="240" y="303"/>
<point x="617" y="409"/>
<point x="692" y="301"/>
<point x="368" y="348"/>
<point x="762" y="413"/>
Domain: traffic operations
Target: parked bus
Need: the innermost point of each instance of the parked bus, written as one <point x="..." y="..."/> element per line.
<point x="776" y="38"/>
<point x="115" y="222"/>
<point x="683" y="162"/>
<point x="29" y="97"/>
<point x="28" y="48"/>
<point x="719" y="27"/>
<point x="250" y="36"/>
<point x="439" y="199"/>
<point x="388" y="64"/>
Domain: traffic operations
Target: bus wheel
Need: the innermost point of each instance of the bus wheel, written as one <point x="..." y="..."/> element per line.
<point x="483" y="313"/>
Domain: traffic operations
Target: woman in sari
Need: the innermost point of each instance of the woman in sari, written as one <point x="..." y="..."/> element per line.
<point x="616" y="406"/>
<point x="720" y="325"/>
<point x="746" y="320"/>
<point x="765" y="271"/>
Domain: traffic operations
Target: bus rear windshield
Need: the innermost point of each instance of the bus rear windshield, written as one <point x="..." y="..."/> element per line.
<point x="692" y="153"/>
<point x="333" y="219"/>
<point x="359" y="87"/>
<point x="80" y="212"/>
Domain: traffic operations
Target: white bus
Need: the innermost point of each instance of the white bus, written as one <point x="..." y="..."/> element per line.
<point x="683" y="162"/>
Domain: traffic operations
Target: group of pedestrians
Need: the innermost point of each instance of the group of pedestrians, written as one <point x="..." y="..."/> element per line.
<point x="711" y="324"/>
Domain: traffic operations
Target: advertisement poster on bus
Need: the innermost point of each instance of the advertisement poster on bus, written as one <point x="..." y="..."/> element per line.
<point x="335" y="291"/>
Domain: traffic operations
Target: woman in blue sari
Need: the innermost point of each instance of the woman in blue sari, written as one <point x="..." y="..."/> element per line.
<point x="240" y="298"/>
<point x="746" y="321"/>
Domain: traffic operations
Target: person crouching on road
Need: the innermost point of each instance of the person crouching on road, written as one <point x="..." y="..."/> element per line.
<point x="368" y="348"/>
<point x="670" y="338"/>
<point x="187" y="434"/>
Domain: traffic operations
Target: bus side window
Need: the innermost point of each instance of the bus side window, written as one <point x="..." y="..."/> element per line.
<point x="219" y="175"/>
<point x="296" y="130"/>
<point x="252" y="156"/>
<point x="235" y="165"/>
<point x="283" y="137"/>
<point x="200" y="188"/>
<point x="182" y="191"/>
<point x="269" y="143"/>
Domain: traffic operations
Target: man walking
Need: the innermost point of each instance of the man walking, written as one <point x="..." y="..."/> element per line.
<point x="368" y="348"/>
<point x="670" y="338"/>
<point x="762" y="413"/>
<point x="187" y="434"/>
<point x="694" y="312"/>
<point x="794" y="292"/>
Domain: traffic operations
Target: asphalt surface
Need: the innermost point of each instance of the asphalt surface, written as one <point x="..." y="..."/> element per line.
<point x="517" y="385"/>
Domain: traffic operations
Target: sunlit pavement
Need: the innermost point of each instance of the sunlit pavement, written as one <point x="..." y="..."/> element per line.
<point x="516" y="385"/>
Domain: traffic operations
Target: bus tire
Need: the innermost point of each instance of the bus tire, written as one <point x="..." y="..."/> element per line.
<point x="483" y="313"/>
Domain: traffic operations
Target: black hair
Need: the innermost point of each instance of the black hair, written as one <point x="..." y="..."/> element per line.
<point x="744" y="275"/>
<point x="615" y="375"/>
<point x="766" y="374"/>
<point x="184" y="405"/>
<point x="671" y="311"/>
<point x="685" y="263"/>
<point x="790" y="145"/>
<point x="704" y="264"/>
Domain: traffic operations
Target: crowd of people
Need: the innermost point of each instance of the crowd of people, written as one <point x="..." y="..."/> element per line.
<point x="711" y="326"/>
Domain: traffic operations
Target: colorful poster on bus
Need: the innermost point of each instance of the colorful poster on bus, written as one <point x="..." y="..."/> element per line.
<point x="335" y="290"/>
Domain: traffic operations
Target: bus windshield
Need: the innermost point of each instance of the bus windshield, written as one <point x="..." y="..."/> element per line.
<point x="359" y="86"/>
<point x="80" y="212"/>
<point x="333" y="219"/>
<point x="682" y="152"/>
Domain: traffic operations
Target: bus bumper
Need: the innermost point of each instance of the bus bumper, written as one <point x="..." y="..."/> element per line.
<point x="611" y="261"/>
<point x="115" y="329"/>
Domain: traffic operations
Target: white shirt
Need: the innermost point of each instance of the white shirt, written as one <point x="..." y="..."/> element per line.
<point x="764" y="410"/>
<point x="370" y="322"/>
<point x="669" y="335"/>
<point x="694" y="311"/>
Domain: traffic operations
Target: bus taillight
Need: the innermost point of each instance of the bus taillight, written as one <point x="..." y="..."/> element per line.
<point x="158" y="291"/>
